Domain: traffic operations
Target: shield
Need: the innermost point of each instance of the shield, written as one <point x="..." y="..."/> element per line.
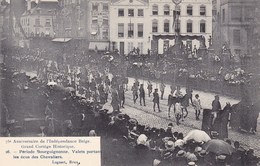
<point x="218" y="147"/>
<point x="198" y="136"/>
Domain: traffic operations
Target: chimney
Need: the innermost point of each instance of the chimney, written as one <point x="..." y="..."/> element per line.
<point x="29" y="5"/>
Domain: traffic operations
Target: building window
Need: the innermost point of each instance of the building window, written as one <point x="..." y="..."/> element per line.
<point x="120" y="30"/>
<point x="155" y="26"/>
<point x="155" y="10"/>
<point x="140" y="12"/>
<point x="189" y="10"/>
<point x="48" y="23"/>
<point x="131" y="12"/>
<point x="189" y="26"/>
<point x="105" y="34"/>
<point x="105" y="7"/>
<point x="121" y="13"/>
<point x="166" y="26"/>
<point x="130" y="30"/>
<point x="249" y="13"/>
<point x="202" y="26"/>
<point x="166" y="10"/>
<point x="37" y="21"/>
<point x="94" y="20"/>
<point x="203" y="10"/>
<point x="95" y="7"/>
<point x="236" y="37"/>
<point x="236" y="13"/>
<point x="105" y="21"/>
<point x="140" y="28"/>
<point x="223" y="15"/>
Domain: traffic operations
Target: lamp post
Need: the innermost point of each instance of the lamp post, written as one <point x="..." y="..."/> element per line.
<point x="176" y="14"/>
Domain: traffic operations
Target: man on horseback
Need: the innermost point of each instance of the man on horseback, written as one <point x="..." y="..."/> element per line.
<point x="177" y="93"/>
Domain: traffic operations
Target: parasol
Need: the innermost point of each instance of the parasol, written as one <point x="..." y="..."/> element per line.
<point x="198" y="136"/>
<point x="218" y="147"/>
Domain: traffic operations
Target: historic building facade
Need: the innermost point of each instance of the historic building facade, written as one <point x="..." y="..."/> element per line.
<point x="237" y="25"/>
<point x="129" y="20"/>
<point x="40" y="20"/>
<point x="188" y="19"/>
<point x="98" y="24"/>
<point x="72" y="19"/>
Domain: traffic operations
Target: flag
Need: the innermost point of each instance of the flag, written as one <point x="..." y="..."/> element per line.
<point x="174" y="19"/>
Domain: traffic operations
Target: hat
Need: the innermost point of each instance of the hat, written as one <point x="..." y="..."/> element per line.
<point x="120" y="116"/>
<point x="221" y="158"/>
<point x="192" y="164"/>
<point x="167" y="154"/>
<point x="133" y="121"/>
<point x="179" y="143"/>
<point x="92" y="133"/>
<point x="141" y="139"/>
<point x="198" y="149"/>
<point x="181" y="153"/>
<point x="170" y="125"/>
<point x="202" y="153"/>
<point x="191" y="157"/>
<point x="169" y="145"/>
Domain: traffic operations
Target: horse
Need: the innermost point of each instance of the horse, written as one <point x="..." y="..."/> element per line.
<point x="244" y="117"/>
<point x="220" y="124"/>
<point x="184" y="103"/>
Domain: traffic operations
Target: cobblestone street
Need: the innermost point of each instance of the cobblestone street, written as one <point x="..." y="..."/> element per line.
<point x="146" y="115"/>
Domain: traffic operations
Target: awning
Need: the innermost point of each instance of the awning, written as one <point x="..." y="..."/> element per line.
<point x="62" y="40"/>
<point x="173" y="36"/>
<point x="100" y="46"/>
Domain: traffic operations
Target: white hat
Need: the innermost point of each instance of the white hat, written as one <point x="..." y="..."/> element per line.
<point x="179" y="143"/>
<point x="169" y="144"/>
<point x="92" y="133"/>
<point x="141" y="139"/>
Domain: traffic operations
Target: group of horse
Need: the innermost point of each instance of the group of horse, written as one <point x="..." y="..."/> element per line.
<point x="240" y="117"/>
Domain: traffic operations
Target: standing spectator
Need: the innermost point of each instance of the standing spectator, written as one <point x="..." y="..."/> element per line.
<point x="150" y="88"/>
<point x="156" y="100"/>
<point x="197" y="106"/>
<point x="170" y="102"/>
<point x="121" y="94"/>
<point x="142" y="94"/>
<point x="135" y="92"/>
<point x="178" y="112"/>
<point x="115" y="100"/>
<point x="216" y="107"/>
<point x="162" y="88"/>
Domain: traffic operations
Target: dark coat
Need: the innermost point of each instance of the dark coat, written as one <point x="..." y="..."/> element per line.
<point x="155" y="97"/>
